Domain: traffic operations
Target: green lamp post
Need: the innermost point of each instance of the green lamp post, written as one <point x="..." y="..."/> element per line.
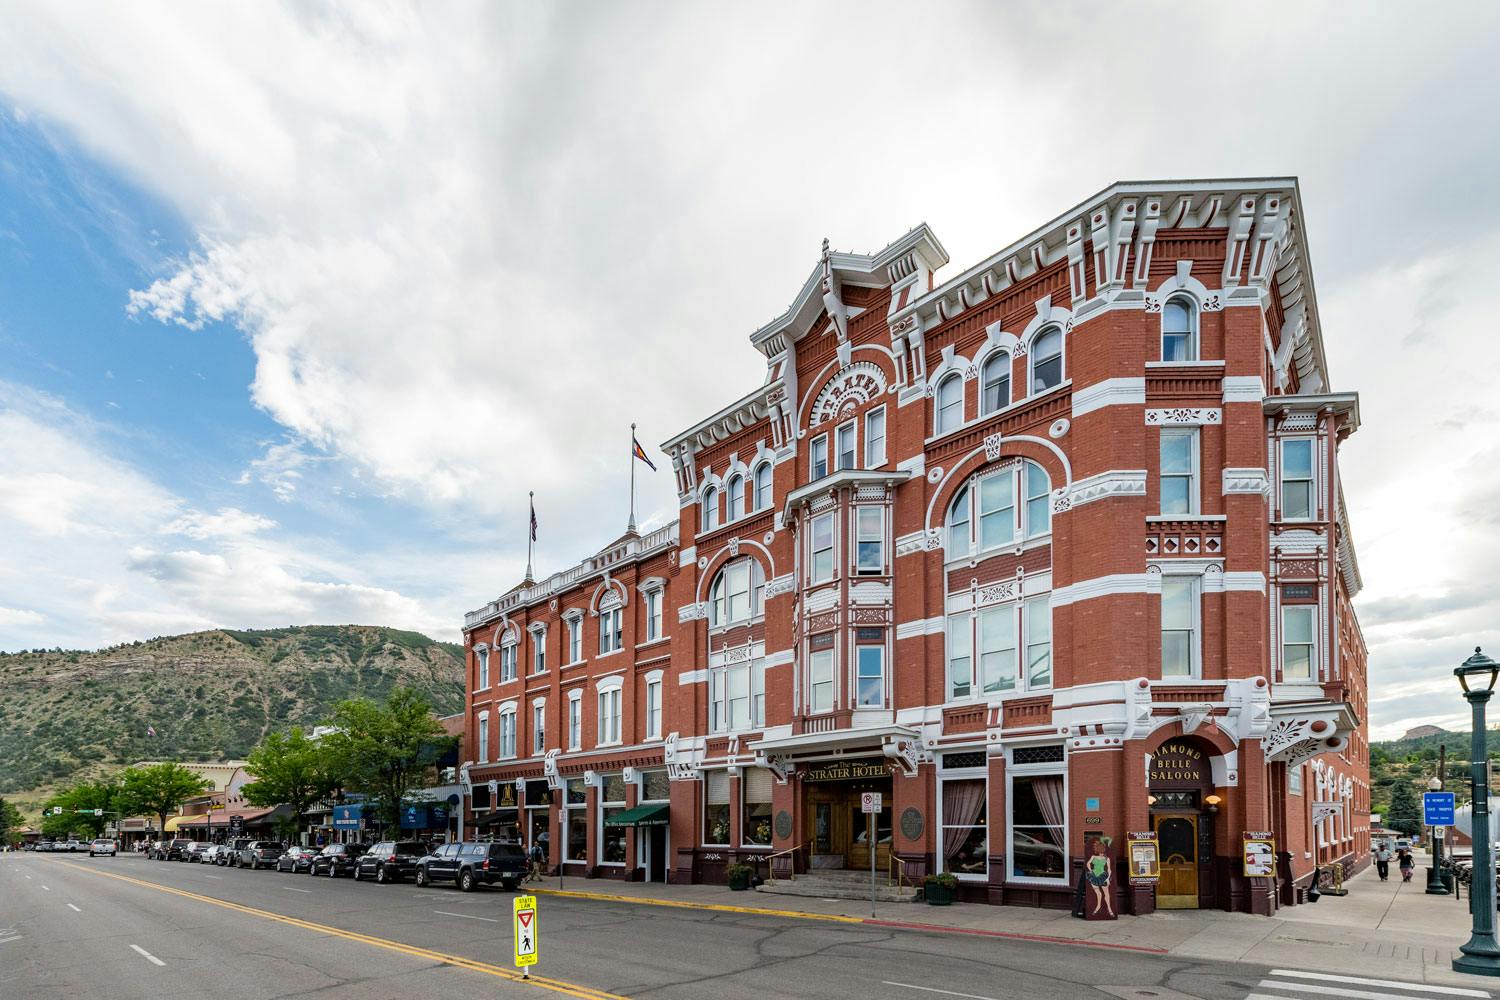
<point x="1481" y="955"/>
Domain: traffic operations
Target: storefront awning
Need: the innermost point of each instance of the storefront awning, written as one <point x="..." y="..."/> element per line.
<point x="497" y="817"/>
<point x="835" y="744"/>
<point x="653" y="814"/>
<point x="176" y="823"/>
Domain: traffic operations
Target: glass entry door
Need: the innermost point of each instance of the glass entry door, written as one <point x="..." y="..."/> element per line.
<point x="1177" y="839"/>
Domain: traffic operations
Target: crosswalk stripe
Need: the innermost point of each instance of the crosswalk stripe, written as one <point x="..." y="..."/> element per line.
<point x="1327" y="977"/>
<point x="1305" y="991"/>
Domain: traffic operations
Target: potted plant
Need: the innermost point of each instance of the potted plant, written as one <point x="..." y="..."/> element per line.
<point x="939" y="889"/>
<point x="739" y="877"/>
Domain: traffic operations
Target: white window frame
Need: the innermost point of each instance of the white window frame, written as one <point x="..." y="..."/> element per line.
<point x="1312" y="477"/>
<point x="875" y="438"/>
<point x="861" y="539"/>
<point x="964" y="774"/>
<point x="1013" y="772"/>
<point x="508" y="667"/>
<point x="859" y="666"/>
<point x="574" y="620"/>
<point x="764" y="491"/>
<point x="726" y="587"/>
<point x="846" y="433"/>
<point x="1191" y="308"/>
<point x="611" y="630"/>
<point x="1001" y="358"/>
<point x="483" y="750"/>
<point x="539" y="727"/>
<point x="1193" y="475"/>
<point x="817" y="458"/>
<point x="815" y="683"/>
<point x="1033" y="359"/>
<point x="1314" y="668"/>
<point x="724" y="681"/>
<point x="709" y="509"/>
<point x="538" y="651"/>
<point x="507" y="733"/>
<point x="948" y="415"/>
<point x="653" y="706"/>
<point x="608" y="724"/>
<point x="734" y="510"/>
<point x="483" y="656"/>
<point x="1194" y="584"/>
<point x="655" y="623"/>
<point x="575" y="719"/>
<point x="832" y="550"/>
<point x="963" y="632"/>
<point x="970" y="541"/>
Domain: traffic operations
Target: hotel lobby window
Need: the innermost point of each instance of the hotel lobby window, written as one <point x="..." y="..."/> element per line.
<point x="963" y="792"/>
<point x="1038" y="825"/>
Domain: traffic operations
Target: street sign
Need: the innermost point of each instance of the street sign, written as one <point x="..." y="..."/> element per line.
<point x="526" y="933"/>
<point x="1439" y="832"/>
<point x="869" y="802"/>
<point x="1437" y="808"/>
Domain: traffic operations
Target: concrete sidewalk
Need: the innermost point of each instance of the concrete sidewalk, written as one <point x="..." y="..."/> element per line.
<point x="1383" y="929"/>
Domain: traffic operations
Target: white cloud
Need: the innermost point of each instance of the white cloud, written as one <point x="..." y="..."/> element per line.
<point x="19" y="616"/>
<point x="229" y="522"/>
<point x="469" y="245"/>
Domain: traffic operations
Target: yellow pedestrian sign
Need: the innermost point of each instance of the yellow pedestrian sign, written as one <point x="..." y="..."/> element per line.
<point x="526" y="932"/>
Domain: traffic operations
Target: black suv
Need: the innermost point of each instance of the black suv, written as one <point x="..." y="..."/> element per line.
<point x="175" y="850"/>
<point x="390" y="860"/>
<point x="260" y="853"/>
<point x="469" y="864"/>
<point x="337" y="859"/>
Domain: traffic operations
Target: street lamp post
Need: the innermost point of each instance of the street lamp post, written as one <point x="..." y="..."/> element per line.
<point x="1435" y="884"/>
<point x="1481" y="955"/>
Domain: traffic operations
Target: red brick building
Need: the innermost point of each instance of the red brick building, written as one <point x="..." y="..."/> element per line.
<point x="1050" y="550"/>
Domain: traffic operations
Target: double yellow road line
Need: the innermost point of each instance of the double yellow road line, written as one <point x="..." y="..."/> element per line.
<point x="473" y="965"/>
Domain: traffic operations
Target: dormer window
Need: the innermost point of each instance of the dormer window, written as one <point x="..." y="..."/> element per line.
<point x="1179" y="330"/>
<point x="994" y="381"/>
<point x="1047" y="360"/>
<point x="948" y="413"/>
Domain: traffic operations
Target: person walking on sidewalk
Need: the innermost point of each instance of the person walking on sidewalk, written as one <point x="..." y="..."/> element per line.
<point x="1406" y="863"/>
<point x="1383" y="860"/>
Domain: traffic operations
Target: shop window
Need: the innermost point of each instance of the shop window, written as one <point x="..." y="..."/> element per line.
<point x="1038" y="825"/>
<point x="612" y="803"/>
<point x="755" y="821"/>
<point x="965" y="826"/>
<point x="657" y="787"/>
<point x="576" y="820"/>
<point x="716" y="807"/>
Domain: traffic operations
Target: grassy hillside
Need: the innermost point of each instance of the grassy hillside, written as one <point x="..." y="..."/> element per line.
<point x="1415" y="761"/>
<point x="209" y="695"/>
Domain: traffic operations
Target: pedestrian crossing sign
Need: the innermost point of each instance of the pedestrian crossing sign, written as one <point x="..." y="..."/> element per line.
<point x="526" y="931"/>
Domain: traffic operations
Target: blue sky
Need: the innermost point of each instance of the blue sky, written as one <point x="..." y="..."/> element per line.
<point x="297" y="302"/>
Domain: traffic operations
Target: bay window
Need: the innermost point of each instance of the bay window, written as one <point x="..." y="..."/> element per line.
<point x="1297" y="480"/>
<point x="870" y="539"/>
<point x="820" y="563"/>
<point x="820" y="675"/>
<point x="1298" y="642"/>
<point x="870" y="679"/>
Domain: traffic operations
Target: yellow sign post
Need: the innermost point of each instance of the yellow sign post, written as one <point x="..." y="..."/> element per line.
<point x="526" y="934"/>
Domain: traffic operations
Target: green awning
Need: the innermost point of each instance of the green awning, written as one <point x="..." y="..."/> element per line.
<point x="655" y="814"/>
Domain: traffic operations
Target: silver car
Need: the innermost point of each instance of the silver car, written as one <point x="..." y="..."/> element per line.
<point x="102" y="846"/>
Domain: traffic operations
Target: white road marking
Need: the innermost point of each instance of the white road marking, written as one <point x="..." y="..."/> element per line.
<point x="946" y="993"/>
<point x="213" y="876"/>
<point x="1452" y="991"/>
<point x="74" y="908"/>
<point x="467" y="916"/>
<point x="48" y="888"/>
<point x="8" y="940"/>
<point x="28" y="876"/>
<point x="292" y="888"/>
<point x="146" y="955"/>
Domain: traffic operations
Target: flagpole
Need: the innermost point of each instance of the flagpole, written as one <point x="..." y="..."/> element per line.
<point x="631" y="526"/>
<point x="530" y="540"/>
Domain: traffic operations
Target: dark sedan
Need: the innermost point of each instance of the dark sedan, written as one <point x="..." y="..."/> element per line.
<point x="390" y="861"/>
<point x="296" y="859"/>
<point x="337" y="859"/>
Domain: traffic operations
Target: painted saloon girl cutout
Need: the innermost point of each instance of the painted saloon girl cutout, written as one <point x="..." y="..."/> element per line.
<point x="1099" y="873"/>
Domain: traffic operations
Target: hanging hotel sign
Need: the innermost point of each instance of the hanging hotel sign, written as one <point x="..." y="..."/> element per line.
<point x="1323" y="810"/>
<point x="847" y="770"/>
<point x="1259" y="854"/>
<point x="1144" y="858"/>
<point x="1177" y="762"/>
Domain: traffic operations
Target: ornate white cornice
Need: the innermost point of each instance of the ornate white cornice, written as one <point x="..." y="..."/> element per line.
<point x="1110" y="392"/>
<point x="1185" y="416"/>
<point x="1246" y="481"/>
<point x="1115" y="482"/>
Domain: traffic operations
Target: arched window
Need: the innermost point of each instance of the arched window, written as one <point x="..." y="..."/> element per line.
<point x="738" y="593"/>
<point x="1047" y="360"/>
<point x="736" y="498"/>
<point x="763" y="486"/>
<point x="994" y="383"/>
<point x="1179" y="330"/>
<point x="999" y="508"/>
<point x="958" y="524"/>
<point x="710" y="509"/>
<point x="949" y="411"/>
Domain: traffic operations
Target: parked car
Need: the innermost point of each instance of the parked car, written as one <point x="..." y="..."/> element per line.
<point x="44" y="846"/>
<point x="175" y="849"/>
<point x="390" y="860"/>
<point x="102" y="846"/>
<point x="75" y="845"/>
<point x="237" y="845"/>
<point x="194" y="853"/>
<point x="296" y="859"/>
<point x="337" y="859"/>
<point x="260" y="854"/>
<point x="472" y="864"/>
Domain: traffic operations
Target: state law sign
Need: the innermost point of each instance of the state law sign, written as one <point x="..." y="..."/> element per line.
<point x="526" y="931"/>
<point x="869" y="802"/>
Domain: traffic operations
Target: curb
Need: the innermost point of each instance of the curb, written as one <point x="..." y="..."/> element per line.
<point x="841" y="919"/>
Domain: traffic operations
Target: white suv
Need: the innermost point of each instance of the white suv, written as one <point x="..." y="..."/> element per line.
<point x="102" y="846"/>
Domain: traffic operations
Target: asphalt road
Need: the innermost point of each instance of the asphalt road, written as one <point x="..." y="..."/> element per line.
<point x="163" y="930"/>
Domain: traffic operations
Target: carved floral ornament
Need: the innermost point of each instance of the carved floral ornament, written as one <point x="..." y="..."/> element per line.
<point x="855" y="385"/>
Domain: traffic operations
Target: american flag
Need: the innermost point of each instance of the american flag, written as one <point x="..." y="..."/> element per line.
<point x="533" y="520"/>
<point x="150" y="730"/>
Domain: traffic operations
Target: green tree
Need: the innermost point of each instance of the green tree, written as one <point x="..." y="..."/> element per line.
<point x="10" y="823"/>
<point x="83" y="795"/>
<point x="385" y="750"/>
<point x="1405" y="815"/>
<point x="158" y="790"/>
<point x="289" y="768"/>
